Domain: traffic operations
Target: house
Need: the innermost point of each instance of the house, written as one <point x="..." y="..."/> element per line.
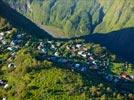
<point x="13" y="55"/>
<point x="84" y="55"/>
<point x="90" y="58"/>
<point x="43" y="50"/>
<point x="58" y="44"/>
<point x="11" y="65"/>
<point x="94" y="62"/>
<point x="56" y="54"/>
<point x="85" y="49"/>
<point x="89" y="54"/>
<point x="78" y="45"/>
<point x="67" y="47"/>
<point x="4" y="98"/>
<point x="124" y="75"/>
<point x="83" y="69"/>
<point x="8" y="32"/>
<point x="53" y="46"/>
<point x="77" y="65"/>
<point x="12" y="43"/>
<point x="19" y="36"/>
<point x="39" y="47"/>
<point x="1" y="33"/>
<point x="10" y="48"/>
<point x="41" y="44"/>
<point x="50" y="42"/>
<point x="126" y="65"/>
<point x="131" y="77"/>
<point x="6" y="86"/>
<point x="3" y="42"/>
<point x="2" y="82"/>
<point x="1" y="37"/>
<point x="80" y="52"/>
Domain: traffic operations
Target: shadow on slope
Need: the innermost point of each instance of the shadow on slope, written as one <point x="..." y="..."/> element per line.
<point x="21" y="22"/>
<point x="120" y="42"/>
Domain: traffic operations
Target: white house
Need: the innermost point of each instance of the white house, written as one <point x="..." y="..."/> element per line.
<point x="3" y="42"/>
<point x="10" y="48"/>
<point x="4" y="98"/>
<point x="78" y="45"/>
<point x="11" y="65"/>
<point x="6" y="86"/>
<point x="132" y="77"/>
<point x="1" y="33"/>
<point x="49" y="42"/>
<point x="1" y="37"/>
<point x="80" y="52"/>
<point x="84" y="55"/>
<point x="56" y="54"/>
<point x="8" y="32"/>
<point x="53" y="46"/>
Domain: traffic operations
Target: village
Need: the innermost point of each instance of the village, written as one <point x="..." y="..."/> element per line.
<point x="76" y="56"/>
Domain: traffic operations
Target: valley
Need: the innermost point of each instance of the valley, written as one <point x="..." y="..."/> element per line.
<point x="65" y="55"/>
<point x="27" y="61"/>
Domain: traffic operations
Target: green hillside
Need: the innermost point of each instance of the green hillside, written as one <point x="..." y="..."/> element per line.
<point x="36" y="67"/>
<point x="3" y="24"/>
<point x="77" y="17"/>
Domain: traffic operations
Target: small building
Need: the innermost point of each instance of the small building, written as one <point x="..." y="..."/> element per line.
<point x="53" y="46"/>
<point x="85" y="49"/>
<point x="1" y="33"/>
<point x="80" y="52"/>
<point x="90" y="58"/>
<point x="6" y="86"/>
<point x="67" y="47"/>
<point x="124" y="75"/>
<point x="11" y="65"/>
<point x="4" y="98"/>
<point x="78" y="45"/>
<point x="8" y="32"/>
<point x="83" y="69"/>
<point x="56" y="54"/>
<point x="19" y="36"/>
<point x="131" y="77"/>
<point x="77" y="65"/>
<point x="2" y="82"/>
<point x="84" y="55"/>
<point x="1" y="37"/>
<point x="10" y="48"/>
<point x="89" y="54"/>
<point x="12" y="43"/>
<point x="43" y="50"/>
<point x="50" y="42"/>
<point x="3" y="42"/>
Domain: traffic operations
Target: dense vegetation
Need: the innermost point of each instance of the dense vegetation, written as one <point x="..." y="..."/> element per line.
<point x="32" y="78"/>
<point x="78" y="17"/>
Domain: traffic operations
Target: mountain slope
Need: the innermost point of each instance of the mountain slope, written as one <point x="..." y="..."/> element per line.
<point x="78" y="17"/>
<point x="119" y="14"/>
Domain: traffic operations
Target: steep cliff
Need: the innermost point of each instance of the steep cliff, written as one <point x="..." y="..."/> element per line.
<point x="78" y="17"/>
